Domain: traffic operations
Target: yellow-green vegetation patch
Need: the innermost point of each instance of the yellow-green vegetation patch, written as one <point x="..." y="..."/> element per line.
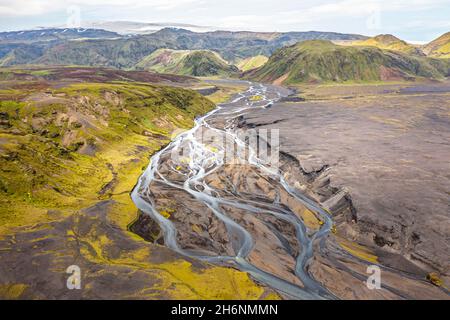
<point x="12" y="291"/>
<point x="68" y="155"/>
<point x="439" y="48"/>
<point x="388" y="42"/>
<point x="227" y="283"/>
<point x="310" y="219"/>
<point x="256" y="98"/>
<point x="252" y="62"/>
<point x="41" y="73"/>
<point x="358" y="250"/>
<point x="435" y="279"/>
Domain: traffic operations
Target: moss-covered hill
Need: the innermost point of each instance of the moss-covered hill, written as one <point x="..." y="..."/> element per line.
<point x="390" y="42"/>
<point x="323" y="61"/>
<point x="71" y="151"/>
<point x="439" y="48"/>
<point x="198" y="63"/>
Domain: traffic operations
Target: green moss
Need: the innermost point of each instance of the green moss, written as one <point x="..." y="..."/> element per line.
<point x="41" y="73"/>
<point x="43" y="165"/>
<point x="252" y="63"/>
<point x="389" y="42"/>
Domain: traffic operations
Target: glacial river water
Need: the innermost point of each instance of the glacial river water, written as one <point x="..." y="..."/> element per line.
<point x="204" y="162"/>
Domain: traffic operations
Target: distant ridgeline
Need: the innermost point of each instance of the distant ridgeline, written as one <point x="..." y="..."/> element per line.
<point x="103" y="48"/>
<point x="294" y="56"/>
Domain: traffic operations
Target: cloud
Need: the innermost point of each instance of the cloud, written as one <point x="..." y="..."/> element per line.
<point x="324" y="14"/>
<point x="244" y="22"/>
<point x="359" y="8"/>
<point x="362" y="16"/>
<point x="39" y="7"/>
<point x="23" y="7"/>
<point x="328" y="7"/>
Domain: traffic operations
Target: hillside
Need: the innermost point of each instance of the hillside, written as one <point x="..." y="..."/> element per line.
<point x="73" y="143"/>
<point x="439" y="48"/>
<point x="389" y="42"/>
<point x="75" y="124"/>
<point x="21" y="53"/>
<point x="187" y="62"/>
<point x="252" y="62"/>
<point x="120" y="53"/>
<point x="323" y="61"/>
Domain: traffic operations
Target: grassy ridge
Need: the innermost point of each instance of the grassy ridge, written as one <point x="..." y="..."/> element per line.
<point x="252" y="63"/>
<point x="201" y="63"/>
<point x="389" y="42"/>
<point x="440" y="47"/>
<point x="323" y="61"/>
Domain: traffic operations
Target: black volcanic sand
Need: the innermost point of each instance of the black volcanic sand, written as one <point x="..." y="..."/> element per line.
<point x="387" y="150"/>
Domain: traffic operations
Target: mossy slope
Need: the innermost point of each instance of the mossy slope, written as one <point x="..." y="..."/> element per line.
<point x="62" y="147"/>
<point x="201" y="63"/>
<point x="70" y="155"/>
<point x="390" y="42"/>
<point x="439" y="48"/>
<point x="252" y="63"/>
<point x="323" y="61"/>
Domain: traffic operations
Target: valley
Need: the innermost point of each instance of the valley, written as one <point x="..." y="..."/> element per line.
<point x="223" y="165"/>
<point x="299" y="226"/>
<point x="73" y="143"/>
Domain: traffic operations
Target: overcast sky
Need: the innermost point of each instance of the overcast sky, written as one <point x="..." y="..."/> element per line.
<point x="414" y="20"/>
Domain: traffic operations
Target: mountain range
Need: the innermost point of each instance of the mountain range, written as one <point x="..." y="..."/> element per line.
<point x="127" y="51"/>
<point x="293" y="58"/>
